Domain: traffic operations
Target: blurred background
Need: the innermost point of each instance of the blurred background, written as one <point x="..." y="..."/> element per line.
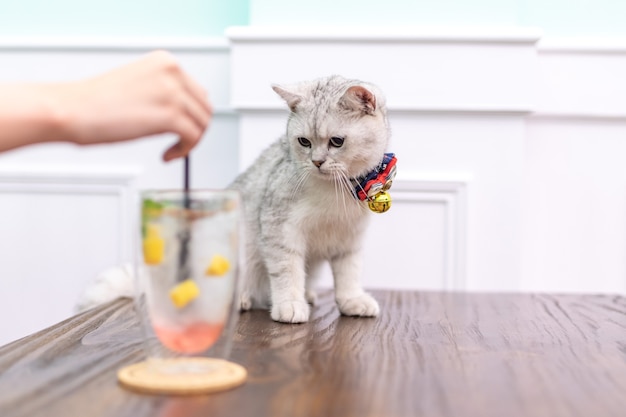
<point x="508" y="120"/>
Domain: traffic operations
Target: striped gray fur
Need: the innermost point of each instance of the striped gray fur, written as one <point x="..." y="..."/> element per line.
<point x="298" y="215"/>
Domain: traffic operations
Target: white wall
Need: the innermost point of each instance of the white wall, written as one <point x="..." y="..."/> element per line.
<point x="530" y="132"/>
<point x="510" y="150"/>
<point x="575" y="205"/>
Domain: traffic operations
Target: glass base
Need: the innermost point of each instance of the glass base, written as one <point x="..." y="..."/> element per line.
<point x="182" y="376"/>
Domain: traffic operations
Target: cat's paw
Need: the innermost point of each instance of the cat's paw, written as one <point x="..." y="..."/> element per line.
<point x="291" y="312"/>
<point x="311" y="296"/>
<point x="362" y="305"/>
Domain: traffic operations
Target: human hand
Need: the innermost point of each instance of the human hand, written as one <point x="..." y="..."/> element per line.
<point x="149" y="96"/>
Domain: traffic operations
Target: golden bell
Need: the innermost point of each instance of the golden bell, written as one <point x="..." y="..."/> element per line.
<point x="380" y="203"/>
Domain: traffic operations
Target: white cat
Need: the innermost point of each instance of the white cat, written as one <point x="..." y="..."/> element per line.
<point x="300" y="203"/>
<point x="299" y="199"/>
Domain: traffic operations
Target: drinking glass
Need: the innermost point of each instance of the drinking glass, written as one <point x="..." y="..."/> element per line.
<point x="187" y="291"/>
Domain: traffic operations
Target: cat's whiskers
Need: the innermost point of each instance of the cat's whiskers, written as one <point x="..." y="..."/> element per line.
<point x="335" y="179"/>
<point x="338" y="178"/>
<point x="346" y="189"/>
<point x="350" y="187"/>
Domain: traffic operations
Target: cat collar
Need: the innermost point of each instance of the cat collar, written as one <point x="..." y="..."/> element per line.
<point x="373" y="186"/>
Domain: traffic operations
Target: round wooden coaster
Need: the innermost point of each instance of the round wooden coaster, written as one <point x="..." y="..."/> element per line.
<point x="198" y="376"/>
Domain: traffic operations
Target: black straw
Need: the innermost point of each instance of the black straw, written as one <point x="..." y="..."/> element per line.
<point x="185" y="233"/>
<point x="186" y="181"/>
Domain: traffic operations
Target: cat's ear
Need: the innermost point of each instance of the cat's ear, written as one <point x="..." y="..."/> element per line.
<point x="360" y="99"/>
<point x="292" y="99"/>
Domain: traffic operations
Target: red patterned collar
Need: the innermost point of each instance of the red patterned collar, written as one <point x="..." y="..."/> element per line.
<point x="377" y="180"/>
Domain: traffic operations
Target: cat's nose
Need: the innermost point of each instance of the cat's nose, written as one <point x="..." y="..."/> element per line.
<point x="318" y="163"/>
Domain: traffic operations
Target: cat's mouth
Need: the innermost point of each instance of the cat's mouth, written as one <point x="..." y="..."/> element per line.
<point x="324" y="171"/>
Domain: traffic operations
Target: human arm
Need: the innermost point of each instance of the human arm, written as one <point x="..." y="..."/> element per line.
<point x="149" y="96"/>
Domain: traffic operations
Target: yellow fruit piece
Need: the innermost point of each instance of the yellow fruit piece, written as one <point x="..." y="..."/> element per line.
<point x="219" y="266"/>
<point x="153" y="245"/>
<point x="184" y="293"/>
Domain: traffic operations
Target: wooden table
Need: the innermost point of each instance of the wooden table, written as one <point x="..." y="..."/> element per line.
<point x="428" y="354"/>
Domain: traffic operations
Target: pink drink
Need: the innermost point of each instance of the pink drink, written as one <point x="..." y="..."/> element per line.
<point x="195" y="338"/>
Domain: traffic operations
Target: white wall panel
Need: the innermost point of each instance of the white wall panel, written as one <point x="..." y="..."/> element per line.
<point x="489" y="147"/>
<point x="581" y="80"/>
<point x="257" y="130"/>
<point x="60" y="227"/>
<point x="482" y="71"/>
<point x="575" y="192"/>
<point x="420" y="242"/>
<point x="428" y="229"/>
<point x="575" y="223"/>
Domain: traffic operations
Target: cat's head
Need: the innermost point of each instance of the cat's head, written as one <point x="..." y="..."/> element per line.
<point x="336" y="127"/>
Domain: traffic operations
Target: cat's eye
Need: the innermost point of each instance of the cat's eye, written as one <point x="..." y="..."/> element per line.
<point x="304" y="142"/>
<point x="336" y="141"/>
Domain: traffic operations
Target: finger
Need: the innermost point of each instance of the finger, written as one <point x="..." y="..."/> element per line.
<point x="173" y="152"/>
<point x="198" y="92"/>
<point x="189" y="136"/>
<point x="199" y="106"/>
<point x="196" y="112"/>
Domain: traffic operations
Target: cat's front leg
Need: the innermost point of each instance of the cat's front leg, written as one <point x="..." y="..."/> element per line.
<point x="287" y="282"/>
<point x="350" y="297"/>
